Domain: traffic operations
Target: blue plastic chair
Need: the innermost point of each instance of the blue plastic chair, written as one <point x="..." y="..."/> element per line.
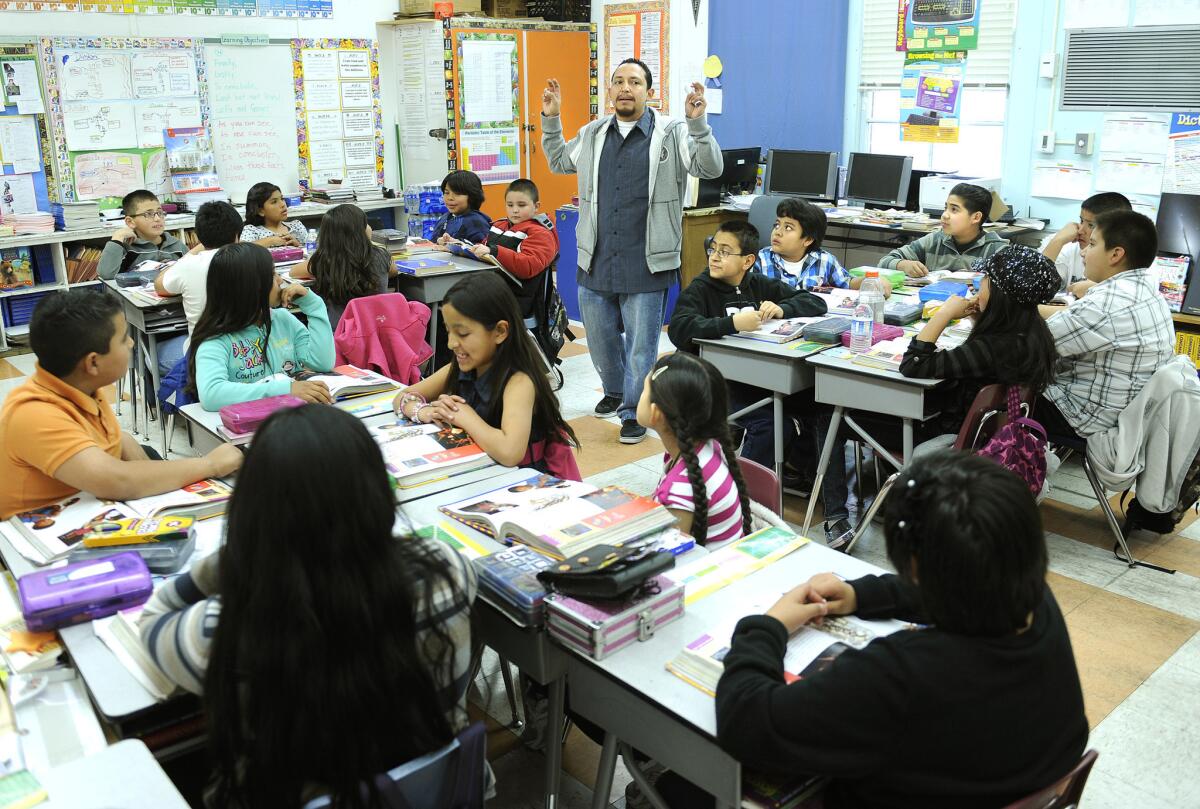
<point x="173" y="395"/>
<point x="449" y="778"/>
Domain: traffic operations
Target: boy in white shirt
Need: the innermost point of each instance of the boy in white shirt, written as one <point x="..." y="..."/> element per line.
<point x="1065" y="248"/>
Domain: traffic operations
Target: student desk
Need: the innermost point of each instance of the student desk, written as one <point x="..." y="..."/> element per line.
<point x="431" y="289"/>
<point x="124" y="775"/>
<point x="843" y="384"/>
<point x="641" y="704"/>
<point x="776" y="367"/>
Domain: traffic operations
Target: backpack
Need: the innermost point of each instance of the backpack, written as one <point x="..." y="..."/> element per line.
<point x="1020" y="445"/>
<point x="552" y="328"/>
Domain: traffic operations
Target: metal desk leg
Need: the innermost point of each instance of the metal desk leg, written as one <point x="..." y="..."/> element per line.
<point x="135" y="366"/>
<point x="152" y="396"/>
<point x="908" y="440"/>
<point x="604" y="772"/>
<point x="554" y="743"/>
<point x="778" y="404"/>
<point x="835" y="424"/>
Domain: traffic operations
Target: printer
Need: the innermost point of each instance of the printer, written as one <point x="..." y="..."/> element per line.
<point x="936" y="188"/>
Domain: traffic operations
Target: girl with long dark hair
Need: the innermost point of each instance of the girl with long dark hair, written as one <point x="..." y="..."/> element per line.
<point x="346" y="264"/>
<point x="266" y="219"/>
<point x="327" y="649"/>
<point x="246" y="345"/>
<point x="495" y="386"/>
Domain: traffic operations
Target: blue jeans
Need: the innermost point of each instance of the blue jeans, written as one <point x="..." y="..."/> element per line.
<point x="170" y="351"/>
<point x="623" y="360"/>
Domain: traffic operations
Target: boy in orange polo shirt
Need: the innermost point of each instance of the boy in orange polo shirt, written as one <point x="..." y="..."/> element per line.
<point x="58" y="432"/>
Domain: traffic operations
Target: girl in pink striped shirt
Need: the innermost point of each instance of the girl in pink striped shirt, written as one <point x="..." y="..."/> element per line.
<point x="684" y="400"/>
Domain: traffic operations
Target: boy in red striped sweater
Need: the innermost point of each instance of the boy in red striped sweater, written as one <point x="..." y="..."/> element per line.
<point x="524" y="243"/>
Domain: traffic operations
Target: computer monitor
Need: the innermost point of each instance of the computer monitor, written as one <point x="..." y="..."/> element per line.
<point x="1179" y="225"/>
<point x="739" y="176"/>
<point x="913" y="201"/>
<point x="878" y="179"/>
<point x="794" y="173"/>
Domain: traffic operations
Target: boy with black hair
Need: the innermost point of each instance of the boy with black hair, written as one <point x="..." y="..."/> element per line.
<point x="144" y="237"/>
<point x="959" y="243"/>
<point x="1112" y="340"/>
<point x="1065" y="248"/>
<point x="217" y="224"/>
<point x="794" y="255"/>
<point x="58" y="432"/>
<point x="524" y="243"/>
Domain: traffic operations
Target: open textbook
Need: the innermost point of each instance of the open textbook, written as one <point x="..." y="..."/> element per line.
<point x="418" y="453"/>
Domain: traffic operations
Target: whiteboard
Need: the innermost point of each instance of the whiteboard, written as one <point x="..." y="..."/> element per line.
<point x="253" y="116"/>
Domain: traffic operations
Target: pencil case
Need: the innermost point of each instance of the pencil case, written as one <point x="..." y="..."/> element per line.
<point x="828" y="330"/>
<point x="901" y="314"/>
<point x="941" y="290"/>
<point x="882" y="331"/>
<point x="79" y="592"/>
<point x="280" y="254"/>
<point x="245" y="417"/>
<point x="894" y="277"/>
<point x="163" y="557"/>
<point x="599" y="628"/>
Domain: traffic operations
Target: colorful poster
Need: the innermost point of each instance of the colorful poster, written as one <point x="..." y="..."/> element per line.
<point x="640" y="31"/>
<point x="493" y="154"/>
<point x="930" y="96"/>
<point x="1183" y="154"/>
<point x="941" y="24"/>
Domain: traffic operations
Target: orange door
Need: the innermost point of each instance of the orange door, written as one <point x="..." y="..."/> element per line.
<point x="566" y="56"/>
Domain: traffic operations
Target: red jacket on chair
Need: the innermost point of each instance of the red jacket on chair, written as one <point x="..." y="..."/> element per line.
<point x="385" y="333"/>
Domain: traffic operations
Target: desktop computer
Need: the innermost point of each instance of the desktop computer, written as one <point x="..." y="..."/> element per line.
<point x="878" y="179"/>
<point x="739" y="176"/>
<point x="805" y="174"/>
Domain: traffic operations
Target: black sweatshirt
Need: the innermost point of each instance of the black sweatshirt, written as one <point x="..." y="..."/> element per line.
<point x="919" y="718"/>
<point x="706" y="308"/>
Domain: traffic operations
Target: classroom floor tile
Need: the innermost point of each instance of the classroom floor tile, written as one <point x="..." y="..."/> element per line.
<point x="10" y="371"/>
<point x="600" y="450"/>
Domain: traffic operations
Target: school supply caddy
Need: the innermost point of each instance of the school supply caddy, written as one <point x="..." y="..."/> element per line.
<point x="418" y="453"/>
<point x="599" y="628"/>
<point x="561" y="518"/>
<point x="63" y="596"/>
<point x="896" y="278"/>
<point x="901" y="313"/>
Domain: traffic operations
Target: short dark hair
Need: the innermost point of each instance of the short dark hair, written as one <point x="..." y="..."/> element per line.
<point x="1132" y="231"/>
<point x="968" y="533"/>
<point x="218" y="224"/>
<point x="1106" y="201"/>
<point x="811" y="218"/>
<point x="523" y="186"/>
<point x="745" y="233"/>
<point x="976" y="199"/>
<point x="69" y="324"/>
<point x="639" y="63"/>
<point x="130" y="201"/>
<point x="256" y="197"/>
<point x="465" y="183"/>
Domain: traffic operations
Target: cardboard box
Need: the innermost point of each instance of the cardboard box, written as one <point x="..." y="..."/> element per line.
<point x="504" y="9"/>
<point x="415" y="8"/>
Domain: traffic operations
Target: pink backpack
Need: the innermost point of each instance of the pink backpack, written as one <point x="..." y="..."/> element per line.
<point x="1020" y="445"/>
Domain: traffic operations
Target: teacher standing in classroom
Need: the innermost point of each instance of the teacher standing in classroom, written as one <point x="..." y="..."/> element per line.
<point x="633" y="167"/>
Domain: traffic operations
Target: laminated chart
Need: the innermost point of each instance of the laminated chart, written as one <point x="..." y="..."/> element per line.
<point x="493" y="154"/>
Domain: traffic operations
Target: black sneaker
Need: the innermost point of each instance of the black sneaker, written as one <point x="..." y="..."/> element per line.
<point x="838" y="534"/>
<point x="632" y="432"/>
<point x="797" y="483"/>
<point x="607" y="406"/>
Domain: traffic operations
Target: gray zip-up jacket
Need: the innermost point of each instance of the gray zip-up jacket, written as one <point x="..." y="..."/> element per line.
<point x="678" y="147"/>
<point x="114" y="254"/>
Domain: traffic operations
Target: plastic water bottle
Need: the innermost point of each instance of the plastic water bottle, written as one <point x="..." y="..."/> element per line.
<point x="310" y="242"/>
<point x="862" y="328"/>
<point x="871" y="293"/>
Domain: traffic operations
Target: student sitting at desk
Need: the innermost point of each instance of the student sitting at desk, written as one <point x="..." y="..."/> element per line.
<point x="1112" y="340"/>
<point x="346" y="263"/>
<point x="1008" y="342"/>
<point x="144" y="237"/>
<point x="1065" y="248"/>
<point x="462" y="194"/>
<point x="58" y="432"/>
<point x="266" y="219"/>
<point x="795" y="255"/>
<point x="495" y="386"/>
<point x="979" y="707"/>
<point x="327" y="649"/>
<point x="247" y="345"/>
<point x="959" y="244"/>
<point x="525" y="243"/>
<point x="217" y="224"/>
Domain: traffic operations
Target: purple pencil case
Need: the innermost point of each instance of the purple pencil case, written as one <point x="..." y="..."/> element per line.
<point x="79" y="592"/>
<point x="286" y="253"/>
<point x="245" y="417"/>
<point x="882" y="331"/>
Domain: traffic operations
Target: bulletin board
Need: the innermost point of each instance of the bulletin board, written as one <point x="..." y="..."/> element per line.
<point x="110" y="98"/>
<point x="25" y="161"/>
<point x="488" y="106"/>
<point x="339" y="120"/>
<point x="289" y="9"/>
<point x="640" y="31"/>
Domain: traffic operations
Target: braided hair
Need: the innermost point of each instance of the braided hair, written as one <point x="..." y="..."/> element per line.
<point x="690" y="392"/>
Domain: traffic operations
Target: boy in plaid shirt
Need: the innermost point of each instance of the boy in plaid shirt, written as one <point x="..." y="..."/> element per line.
<point x="795" y="255"/>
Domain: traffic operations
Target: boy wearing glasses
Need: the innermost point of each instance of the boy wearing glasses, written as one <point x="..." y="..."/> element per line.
<point x="794" y="255"/>
<point x="142" y="239"/>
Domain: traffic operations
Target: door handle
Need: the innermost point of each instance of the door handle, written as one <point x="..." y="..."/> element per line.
<point x="440" y="134"/>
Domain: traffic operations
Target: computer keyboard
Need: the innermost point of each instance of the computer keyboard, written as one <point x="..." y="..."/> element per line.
<point x="917" y="119"/>
<point x="926" y="12"/>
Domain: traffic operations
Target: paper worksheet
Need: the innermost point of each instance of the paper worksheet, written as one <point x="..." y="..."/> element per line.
<point x="1132" y="173"/>
<point x="487" y="72"/>
<point x="1062" y="180"/>
<point x="21" y="86"/>
<point x="19" y="143"/>
<point x="1138" y="132"/>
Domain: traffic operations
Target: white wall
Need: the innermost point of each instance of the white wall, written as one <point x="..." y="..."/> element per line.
<point x="351" y="18"/>
<point x="688" y="48"/>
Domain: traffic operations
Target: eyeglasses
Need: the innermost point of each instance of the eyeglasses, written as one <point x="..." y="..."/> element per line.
<point x="156" y="214"/>
<point x="721" y="253"/>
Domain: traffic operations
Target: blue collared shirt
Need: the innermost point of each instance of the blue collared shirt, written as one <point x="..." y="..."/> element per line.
<point x="820" y="268"/>
<point x="622" y="208"/>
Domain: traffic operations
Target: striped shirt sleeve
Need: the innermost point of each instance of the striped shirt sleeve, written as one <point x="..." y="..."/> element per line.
<point x="178" y="622"/>
<point x="724" y="504"/>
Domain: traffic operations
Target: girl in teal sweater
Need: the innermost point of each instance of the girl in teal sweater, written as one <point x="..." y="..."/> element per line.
<point x="245" y="312"/>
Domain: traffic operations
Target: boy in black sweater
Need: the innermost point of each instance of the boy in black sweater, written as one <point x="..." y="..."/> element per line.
<point x="979" y="708"/>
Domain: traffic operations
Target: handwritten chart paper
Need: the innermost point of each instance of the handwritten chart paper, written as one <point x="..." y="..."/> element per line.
<point x="99" y="125"/>
<point x="107" y="174"/>
<point x="83" y="75"/>
<point x="164" y="75"/>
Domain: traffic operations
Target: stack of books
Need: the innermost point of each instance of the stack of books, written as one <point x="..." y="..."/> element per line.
<point x="331" y="194"/>
<point x="76" y="215"/>
<point x="509" y="580"/>
<point x="886" y="355"/>
<point x="37" y="222"/>
<point x="390" y="239"/>
<point x="370" y="193"/>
